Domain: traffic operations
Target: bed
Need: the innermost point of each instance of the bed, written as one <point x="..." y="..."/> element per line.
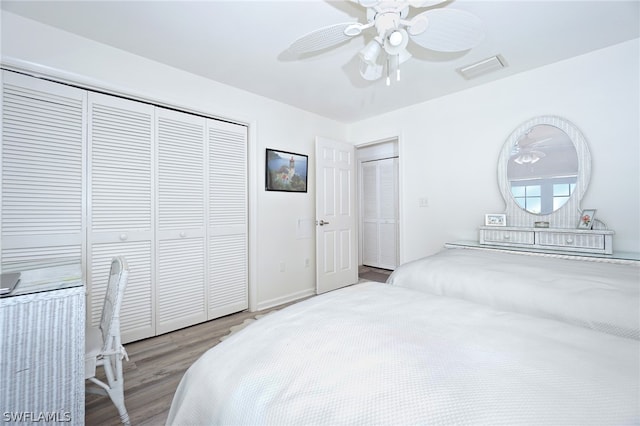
<point x="460" y="337"/>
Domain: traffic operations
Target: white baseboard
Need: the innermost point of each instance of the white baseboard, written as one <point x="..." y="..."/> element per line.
<point x="267" y="304"/>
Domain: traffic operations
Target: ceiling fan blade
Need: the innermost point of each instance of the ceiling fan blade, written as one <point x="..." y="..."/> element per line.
<point x="366" y="3"/>
<point x="447" y="30"/>
<point x="321" y="39"/>
<point x="425" y="3"/>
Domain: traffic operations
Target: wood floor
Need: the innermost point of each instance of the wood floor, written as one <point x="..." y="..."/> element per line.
<point x="154" y="370"/>
<point x="157" y="364"/>
<point x="373" y="274"/>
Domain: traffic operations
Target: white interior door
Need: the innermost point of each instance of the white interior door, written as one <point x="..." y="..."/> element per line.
<point x="336" y="242"/>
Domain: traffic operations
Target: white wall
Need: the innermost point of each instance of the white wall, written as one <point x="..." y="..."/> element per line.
<point x="449" y="146"/>
<point x="273" y="227"/>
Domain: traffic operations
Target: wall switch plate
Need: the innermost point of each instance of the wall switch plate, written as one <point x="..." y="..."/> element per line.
<point x="282" y="268"/>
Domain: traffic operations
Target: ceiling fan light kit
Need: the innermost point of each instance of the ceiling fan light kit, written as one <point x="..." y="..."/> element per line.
<point x="445" y="30"/>
<point x="370" y="72"/>
<point x="397" y="42"/>
<point x="369" y="54"/>
<point x="395" y="38"/>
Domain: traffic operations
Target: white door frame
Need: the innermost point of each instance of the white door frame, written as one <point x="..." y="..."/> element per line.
<point x="400" y="229"/>
<point x="367" y="241"/>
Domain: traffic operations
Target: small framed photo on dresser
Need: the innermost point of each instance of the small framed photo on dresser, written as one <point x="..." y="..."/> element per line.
<point x="586" y="219"/>
<point x="495" y="219"/>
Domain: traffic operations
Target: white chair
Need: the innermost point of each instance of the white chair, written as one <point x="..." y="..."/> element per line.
<point x="102" y="343"/>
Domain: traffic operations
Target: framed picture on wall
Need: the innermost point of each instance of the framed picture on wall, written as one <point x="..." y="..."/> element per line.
<point x="586" y="219"/>
<point x="285" y="171"/>
<point x="495" y="219"/>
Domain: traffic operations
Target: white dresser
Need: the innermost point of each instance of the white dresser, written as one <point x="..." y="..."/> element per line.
<point x="42" y="348"/>
<point x="559" y="239"/>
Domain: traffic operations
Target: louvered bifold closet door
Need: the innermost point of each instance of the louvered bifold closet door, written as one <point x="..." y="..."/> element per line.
<point x="181" y="229"/>
<point x="228" y="253"/>
<point x="380" y="213"/>
<point x="388" y="213"/>
<point x="369" y="211"/>
<point x="121" y="208"/>
<point x="43" y="133"/>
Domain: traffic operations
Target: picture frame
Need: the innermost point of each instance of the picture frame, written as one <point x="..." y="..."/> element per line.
<point x="285" y="171"/>
<point x="495" y="219"/>
<point x="586" y="219"/>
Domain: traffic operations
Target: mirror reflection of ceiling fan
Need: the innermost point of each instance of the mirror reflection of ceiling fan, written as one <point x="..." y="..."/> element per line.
<point x="439" y="29"/>
<point x="527" y="150"/>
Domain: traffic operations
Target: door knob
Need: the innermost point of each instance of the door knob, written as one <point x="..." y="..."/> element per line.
<point x="322" y="222"/>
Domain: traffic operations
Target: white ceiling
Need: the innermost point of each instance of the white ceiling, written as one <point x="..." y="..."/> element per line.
<point x="243" y="44"/>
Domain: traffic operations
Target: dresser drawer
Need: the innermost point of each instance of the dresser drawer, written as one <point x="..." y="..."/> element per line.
<point x="565" y="239"/>
<point x="503" y="236"/>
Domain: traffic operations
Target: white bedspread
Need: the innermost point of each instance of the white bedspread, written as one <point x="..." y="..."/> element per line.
<point x="597" y="295"/>
<point x="385" y="355"/>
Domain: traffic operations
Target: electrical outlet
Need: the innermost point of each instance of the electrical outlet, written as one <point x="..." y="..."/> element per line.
<point x="307" y="262"/>
<point x="423" y="202"/>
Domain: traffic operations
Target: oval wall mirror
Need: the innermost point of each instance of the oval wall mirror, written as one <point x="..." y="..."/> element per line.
<point x="542" y="169"/>
<point x="543" y="172"/>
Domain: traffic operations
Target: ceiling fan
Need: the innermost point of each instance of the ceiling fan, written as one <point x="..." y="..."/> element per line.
<point x="439" y="29"/>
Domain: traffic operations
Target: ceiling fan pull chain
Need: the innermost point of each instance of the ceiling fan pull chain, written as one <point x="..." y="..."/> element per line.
<point x="388" y="71"/>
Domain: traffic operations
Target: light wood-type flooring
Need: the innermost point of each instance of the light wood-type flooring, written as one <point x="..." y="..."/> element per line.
<point x="157" y="364"/>
<point x="154" y="369"/>
<point x="370" y="273"/>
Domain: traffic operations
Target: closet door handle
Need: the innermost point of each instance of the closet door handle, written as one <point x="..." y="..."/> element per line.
<point x="123" y="237"/>
<point x="322" y="222"/>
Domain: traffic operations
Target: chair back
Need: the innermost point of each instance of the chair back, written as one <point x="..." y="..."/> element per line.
<point x="110" y="319"/>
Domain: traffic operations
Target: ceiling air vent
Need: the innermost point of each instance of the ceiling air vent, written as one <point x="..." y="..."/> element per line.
<point x="482" y="67"/>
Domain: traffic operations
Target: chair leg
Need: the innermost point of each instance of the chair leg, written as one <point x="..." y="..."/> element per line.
<point x="115" y="390"/>
<point x="117" y="397"/>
